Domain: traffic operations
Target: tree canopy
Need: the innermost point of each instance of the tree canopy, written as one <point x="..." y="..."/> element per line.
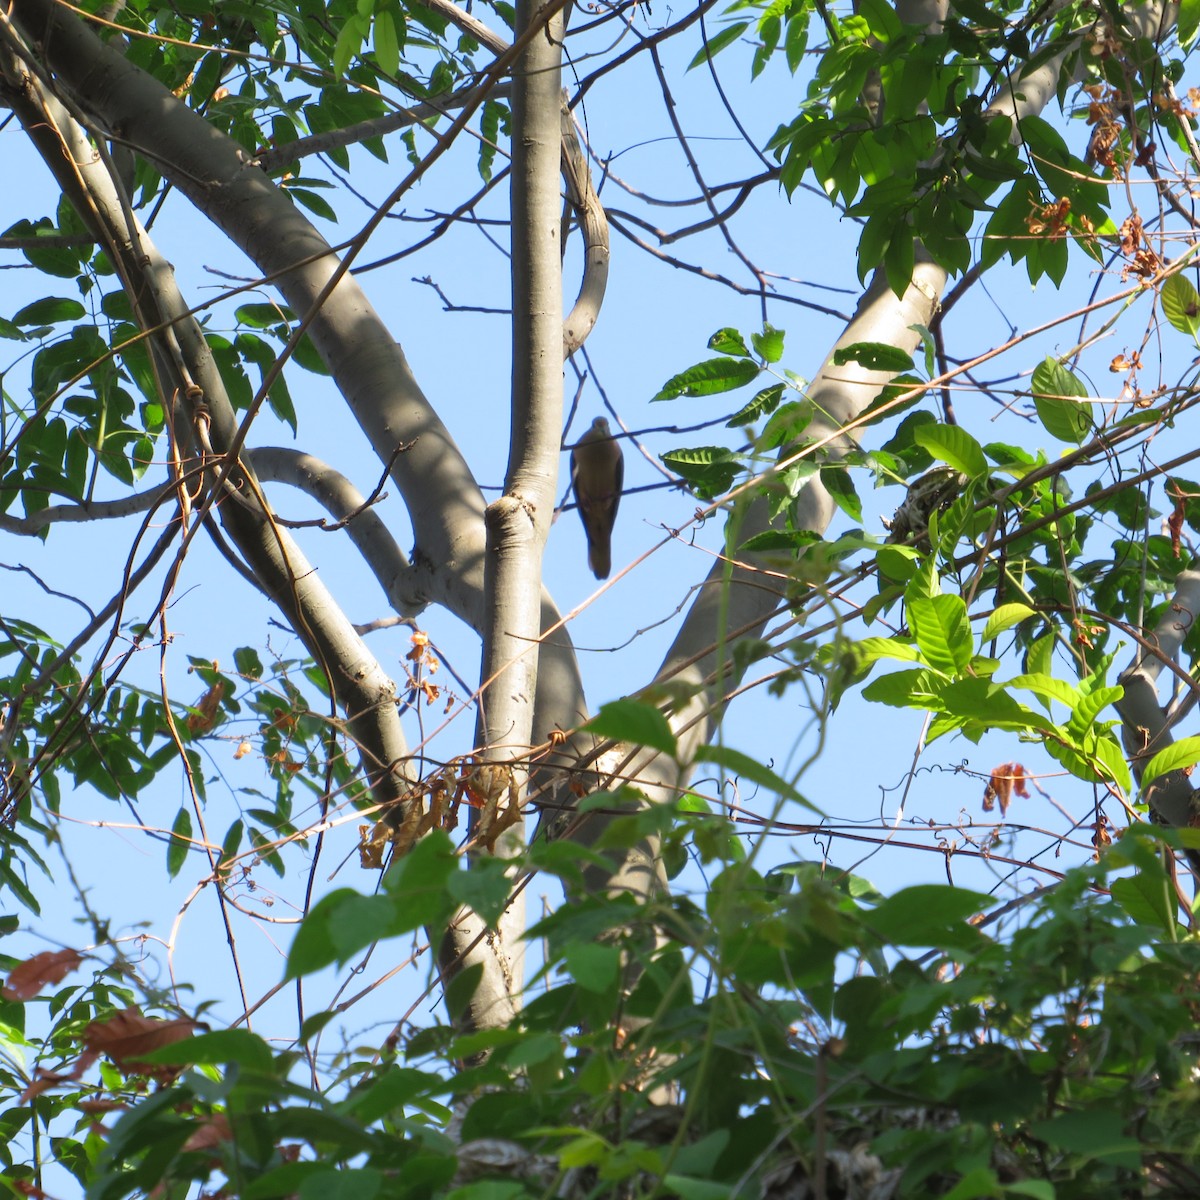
<point x="265" y="493"/>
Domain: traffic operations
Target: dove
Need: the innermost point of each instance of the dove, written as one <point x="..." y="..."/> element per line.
<point x="597" y="471"/>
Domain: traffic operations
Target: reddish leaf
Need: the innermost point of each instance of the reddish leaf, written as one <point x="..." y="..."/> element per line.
<point x="27" y="979"/>
<point x="97" y="1108"/>
<point x="1175" y="520"/>
<point x="210" y="1135"/>
<point x="43" y="1082"/>
<point x="1007" y="779"/>
<point x="127" y="1036"/>
<point x="202" y="720"/>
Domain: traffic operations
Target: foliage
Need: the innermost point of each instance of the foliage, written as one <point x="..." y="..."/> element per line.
<point x="766" y="1026"/>
<point x="1040" y="1048"/>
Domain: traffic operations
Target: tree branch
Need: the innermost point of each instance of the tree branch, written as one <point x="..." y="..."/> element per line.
<point x="518" y="523"/>
<point x="191" y="384"/>
<point x="343" y="501"/>
<point x="369" y="367"/>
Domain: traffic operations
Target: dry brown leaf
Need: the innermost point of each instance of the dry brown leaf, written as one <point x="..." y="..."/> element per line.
<point x="1175" y="520"/>
<point x="127" y="1036"/>
<point x="29" y="977"/>
<point x="1006" y="780"/>
<point x="373" y="840"/>
<point x="26" y="1187"/>
<point x="201" y="721"/>
<point x="97" y="1108"/>
<point x="210" y="1135"/>
<point x="43" y="1081"/>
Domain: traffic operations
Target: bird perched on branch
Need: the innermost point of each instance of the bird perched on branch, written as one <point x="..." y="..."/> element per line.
<point x="597" y="472"/>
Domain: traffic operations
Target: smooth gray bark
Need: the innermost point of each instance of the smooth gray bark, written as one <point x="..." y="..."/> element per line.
<point x="1147" y="721"/>
<point x="518" y="523"/>
<point x="347" y="505"/>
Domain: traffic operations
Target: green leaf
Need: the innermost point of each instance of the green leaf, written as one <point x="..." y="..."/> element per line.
<point x="1111" y="757"/>
<point x="1045" y="685"/>
<point x="897" y="562"/>
<point x="331" y="930"/>
<point x="1148" y="900"/>
<point x="954" y="445"/>
<point x="485" y="888"/>
<point x="1094" y="1134"/>
<point x="1180" y="301"/>
<point x="206" y="77"/>
<point x="349" y="42"/>
<point x="246" y="659"/>
<point x="418" y="881"/>
<point x="729" y="341"/>
<point x="315" y="203"/>
<point x="1090" y="706"/>
<point x="763" y="404"/>
<point x="931" y="914"/>
<point x="943" y="632"/>
<point x="875" y="356"/>
<point x="978" y="1182"/>
<point x="180" y="843"/>
<point x="280" y="401"/>
<point x="987" y="704"/>
<point x="899" y="260"/>
<point x="709" y="470"/>
<point x="141" y="455"/>
<point x="1060" y="416"/>
<point x="49" y="310"/>
<point x="1039" y="1189"/>
<point x="750" y="768"/>
<point x="688" y="1188"/>
<point x="1177" y="757"/>
<point x="346" y="1183"/>
<point x="1004" y="617"/>
<point x="840" y="486"/>
<point x="387" y="44"/>
<point x="717" y="43"/>
<point x="634" y="721"/>
<point x="777" y="539"/>
<point x="881" y="19"/>
<point x="490" y="120"/>
<point x="397" y="1087"/>
<point x="1186" y="26"/>
<point x="768" y="345"/>
<point x="979" y="13"/>
<point x="221" y="1046"/>
<point x="341" y="924"/>
<point x="872" y="649"/>
<point x="263" y="316"/>
<point x="233" y="841"/>
<point x="709" y="378"/>
<point x="593" y="965"/>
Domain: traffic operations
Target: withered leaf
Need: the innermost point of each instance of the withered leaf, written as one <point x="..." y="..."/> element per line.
<point x="127" y="1036"/>
<point x="29" y="977"/>
<point x="201" y="721"/>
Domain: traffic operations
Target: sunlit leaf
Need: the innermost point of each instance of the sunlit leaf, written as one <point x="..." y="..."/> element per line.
<point x="633" y="721"/>
<point x="1004" y="617"/>
<point x="1053" y="388"/>
<point x="1180" y="756"/>
<point x="943" y="631"/>
<point x="954" y="445"/>
<point x="1180" y="300"/>
<point x="709" y="378"/>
